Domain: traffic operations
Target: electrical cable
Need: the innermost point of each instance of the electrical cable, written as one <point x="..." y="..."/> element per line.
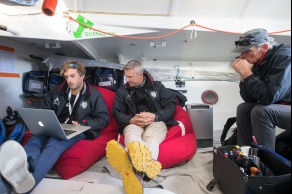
<point x="192" y="23"/>
<point x="130" y="37"/>
<point x="5" y="28"/>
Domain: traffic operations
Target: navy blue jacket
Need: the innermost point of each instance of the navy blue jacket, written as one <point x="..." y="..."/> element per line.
<point x="270" y="82"/>
<point x="160" y="100"/>
<point x="90" y="107"/>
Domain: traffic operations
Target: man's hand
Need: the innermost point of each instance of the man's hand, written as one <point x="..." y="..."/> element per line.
<point x="242" y="67"/>
<point x="138" y="120"/>
<point x="148" y="117"/>
<point x="75" y="123"/>
<point x="143" y="119"/>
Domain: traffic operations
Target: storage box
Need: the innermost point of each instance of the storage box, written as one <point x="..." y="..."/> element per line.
<point x="233" y="181"/>
<point x="201" y="116"/>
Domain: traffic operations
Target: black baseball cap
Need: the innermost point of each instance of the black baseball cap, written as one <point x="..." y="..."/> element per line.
<point x="250" y="39"/>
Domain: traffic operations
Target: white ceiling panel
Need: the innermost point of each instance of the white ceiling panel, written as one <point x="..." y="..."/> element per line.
<point x="267" y="9"/>
<point x="160" y="7"/>
<point x="210" y="8"/>
<point x="242" y="9"/>
<point x="227" y="15"/>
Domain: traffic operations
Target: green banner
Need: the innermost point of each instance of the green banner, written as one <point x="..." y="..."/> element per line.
<point x="84" y="32"/>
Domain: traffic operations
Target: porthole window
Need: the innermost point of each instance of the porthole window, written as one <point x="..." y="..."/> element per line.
<point x="210" y="97"/>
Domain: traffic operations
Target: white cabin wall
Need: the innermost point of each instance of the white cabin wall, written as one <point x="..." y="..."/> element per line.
<point x="186" y="65"/>
<point x="192" y="65"/>
<point x="228" y="98"/>
<point x="187" y="69"/>
<point x="11" y="88"/>
<point x="227" y="91"/>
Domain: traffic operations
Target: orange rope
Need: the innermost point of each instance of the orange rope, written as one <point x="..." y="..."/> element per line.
<point x="131" y="37"/>
<point x="165" y="35"/>
<point x="279" y="31"/>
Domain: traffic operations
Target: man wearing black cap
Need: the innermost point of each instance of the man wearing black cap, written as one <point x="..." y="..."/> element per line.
<point x="265" y="70"/>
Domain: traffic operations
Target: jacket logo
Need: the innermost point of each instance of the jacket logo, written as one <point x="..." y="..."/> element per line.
<point x="83" y="105"/>
<point x="57" y="101"/>
<point x="153" y="94"/>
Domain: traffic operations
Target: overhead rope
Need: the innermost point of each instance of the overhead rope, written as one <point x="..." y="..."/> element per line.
<point x="131" y="37"/>
<point x="192" y="24"/>
<point x="278" y="32"/>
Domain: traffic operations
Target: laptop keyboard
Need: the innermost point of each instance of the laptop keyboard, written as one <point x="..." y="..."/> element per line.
<point x="68" y="132"/>
<point x="67" y="126"/>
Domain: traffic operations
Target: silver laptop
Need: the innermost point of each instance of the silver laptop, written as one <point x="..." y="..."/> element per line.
<point x="45" y="122"/>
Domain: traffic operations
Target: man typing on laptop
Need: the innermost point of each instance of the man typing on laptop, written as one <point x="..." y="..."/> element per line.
<point x="75" y="102"/>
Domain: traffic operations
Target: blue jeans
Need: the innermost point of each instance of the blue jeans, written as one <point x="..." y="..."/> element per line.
<point x="5" y="188"/>
<point x="43" y="152"/>
<point x="258" y="120"/>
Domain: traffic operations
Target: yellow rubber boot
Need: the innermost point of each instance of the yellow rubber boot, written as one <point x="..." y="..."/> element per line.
<point x="141" y="159"/>
<point x="119" y="159"/>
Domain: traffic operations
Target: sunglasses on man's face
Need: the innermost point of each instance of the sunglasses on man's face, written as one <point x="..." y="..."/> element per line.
<point x="244" y="42"/>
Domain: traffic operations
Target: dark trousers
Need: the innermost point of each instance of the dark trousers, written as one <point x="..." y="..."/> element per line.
<point x="5" y="188"/>
<point x="43" y="152"/>
<point x="257" y="120"/>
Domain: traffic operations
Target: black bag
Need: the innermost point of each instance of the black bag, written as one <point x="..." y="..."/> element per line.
<point x="106" y="78"/>
<point x="232" y="180"/>
<point x="55" y="80"/>
<point x="35" y="83"/>
<point x="232" y="140"/>
<point x="283" y="145"/>
<point x="90" y="75"/>
<point x="180" y="99"/>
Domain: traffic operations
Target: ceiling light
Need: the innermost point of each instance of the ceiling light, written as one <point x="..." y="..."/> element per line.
<point x="132" y="45"/>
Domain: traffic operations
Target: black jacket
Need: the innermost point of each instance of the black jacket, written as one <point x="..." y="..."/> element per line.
<point x="159" y="98"/>
<point x="271" y="80"/>
<point x="90" y="107"/>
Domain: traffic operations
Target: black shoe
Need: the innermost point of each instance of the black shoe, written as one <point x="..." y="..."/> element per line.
<point x="146" y="178"/>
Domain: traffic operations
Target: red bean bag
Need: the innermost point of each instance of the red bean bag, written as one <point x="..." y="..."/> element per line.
<point x="86" y="152"/>
<point x="180" y="144"/>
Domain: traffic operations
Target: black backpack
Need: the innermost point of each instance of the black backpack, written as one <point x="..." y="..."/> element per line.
<point x="55" y="80"/>
<point x="106" y="78"/>
<point x="35" y="83"/>
<point x="232" y="140"/>
<point x="180" y="99"/>
<point x="283" y="145"/>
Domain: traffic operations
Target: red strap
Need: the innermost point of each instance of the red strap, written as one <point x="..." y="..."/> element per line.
<point x="263" y="55"/>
